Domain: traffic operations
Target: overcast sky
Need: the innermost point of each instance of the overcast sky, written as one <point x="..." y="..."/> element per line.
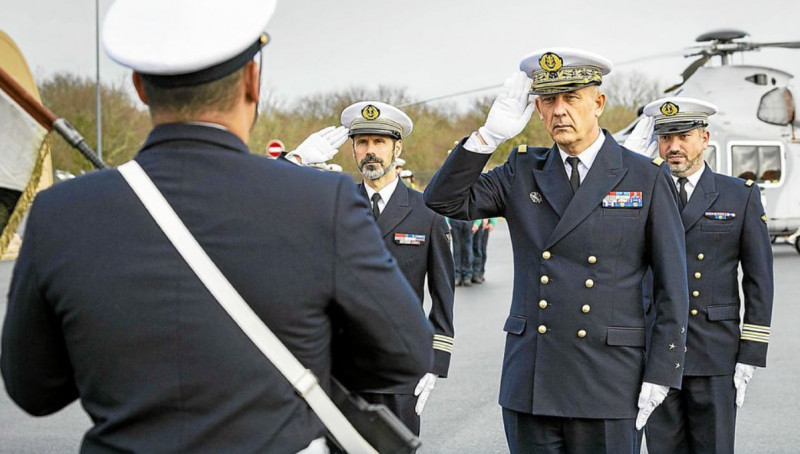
<point x="432" y="47"/>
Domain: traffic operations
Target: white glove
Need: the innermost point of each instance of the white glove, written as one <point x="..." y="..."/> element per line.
<point x="423" y="390"/>
<point x="742" y="375"/>
<point x="642" y="140"/>
<point x="320" y="146"/>
<point x="510" y="112"/>
<point x="651" y="397"/>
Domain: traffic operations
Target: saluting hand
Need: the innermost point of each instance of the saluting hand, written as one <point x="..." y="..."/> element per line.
<point x="641" y="139"/>
<point x="650" y="397"/>
<point x="320" y="146"/>
<point x="742" y="375"/>
<point x="510" y="112"/>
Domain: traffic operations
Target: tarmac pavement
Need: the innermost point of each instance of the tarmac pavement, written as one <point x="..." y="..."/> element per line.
<point x="462" y="415"/>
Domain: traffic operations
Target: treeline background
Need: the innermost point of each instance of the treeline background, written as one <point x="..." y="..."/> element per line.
<point x="126" y="123"/>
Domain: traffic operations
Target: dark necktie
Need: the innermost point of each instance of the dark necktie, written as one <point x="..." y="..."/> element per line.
<point x="375" y="211"/>
<point x="574" y="177"/>
<point x="682" y="192"/>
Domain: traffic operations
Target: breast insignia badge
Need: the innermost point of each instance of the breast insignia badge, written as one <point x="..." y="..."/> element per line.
<point x="536" y="197"/>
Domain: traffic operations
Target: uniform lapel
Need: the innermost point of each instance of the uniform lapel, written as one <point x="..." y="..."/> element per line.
<point x="702" y="198"/>
<point x="363" y="191"/>
<point x="552" y="181"/>
<point x="395" y="211"/>
<point x="605" y="173"/>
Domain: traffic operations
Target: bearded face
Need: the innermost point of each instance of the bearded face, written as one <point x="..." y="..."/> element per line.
<point x="684" y="151"/>
<point x="374" y="154"/>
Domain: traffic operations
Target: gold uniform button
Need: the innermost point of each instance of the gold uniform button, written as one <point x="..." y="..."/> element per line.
<point x="542" y="329"/>
<point x="586" y="308"/>
<point x="582" y="333"/>
<point x="697" y="275"/>
<point x="695" y="293"/>
<point x="694" y="312"/>
<point x="592" y="259"/>
<point x="543" y="303"/>
<point x="700" y="256"/>
<point x="544" y="279"/>
<point x="546" y="255"/>
<point x="589" y="283"/>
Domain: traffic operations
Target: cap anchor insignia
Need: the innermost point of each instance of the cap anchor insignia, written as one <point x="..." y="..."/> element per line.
<point x="669" y="109"/>
<point x="370" y="112"/>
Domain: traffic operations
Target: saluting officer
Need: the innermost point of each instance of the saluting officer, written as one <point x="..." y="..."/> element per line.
<point x="725" y="226"/>
<point x="587" y="218"/>
<point x="417" y="237"/>
<point x="103" y="308"/>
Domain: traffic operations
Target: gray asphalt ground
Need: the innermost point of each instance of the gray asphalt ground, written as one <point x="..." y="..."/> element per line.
<point x="462" y="415"/>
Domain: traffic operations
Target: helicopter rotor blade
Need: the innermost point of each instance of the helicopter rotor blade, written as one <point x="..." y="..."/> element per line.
<point x="689" y="71"/>
<point x="786" y="44"/>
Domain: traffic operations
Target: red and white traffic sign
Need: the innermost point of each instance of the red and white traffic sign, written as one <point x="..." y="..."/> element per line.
<point x="274" y="148"/>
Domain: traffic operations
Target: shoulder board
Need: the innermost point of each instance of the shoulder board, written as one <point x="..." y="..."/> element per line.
<point x="658" y="161"/>
<point x="522" y="148"/>
<point x="749" y="183"/>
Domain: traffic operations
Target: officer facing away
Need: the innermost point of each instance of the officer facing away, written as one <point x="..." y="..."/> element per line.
<point x="725" y="227"/>
<point x="117" y="318"/>
<point x="587" y="218"/>
<point x="416" y="236"/>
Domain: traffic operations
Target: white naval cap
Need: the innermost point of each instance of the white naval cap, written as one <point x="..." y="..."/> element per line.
<point x="563" y="69"/>
<point x="400" y="162"/>
<point x="406" y="173"/>
<point x="676" y="114"/>
<point x="185" y="42"/>
<point x="375" y="117"/>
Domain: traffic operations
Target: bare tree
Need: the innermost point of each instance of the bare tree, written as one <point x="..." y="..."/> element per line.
<point x="631" y="89"/>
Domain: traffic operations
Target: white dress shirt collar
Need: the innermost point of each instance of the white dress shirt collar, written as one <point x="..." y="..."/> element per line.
<point x="691" y="182"/>
<point x="386" y="192"/>
<point x="586" y="157"/>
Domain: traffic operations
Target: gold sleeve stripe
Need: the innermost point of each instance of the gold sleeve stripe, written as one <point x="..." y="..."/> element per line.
<point x="758" y="328"/>
<point x="443" y="338"/>
<point x="758" y="332"/>
<point x="443" y="347"/>
<point x="755" y="339"/>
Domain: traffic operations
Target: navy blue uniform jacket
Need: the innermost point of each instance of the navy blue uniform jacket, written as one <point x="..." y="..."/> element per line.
<point x="426" y="255"/>
<point x="576" y="331"/>
<point x="103" y="308"/>
<point x="724" y="227"/>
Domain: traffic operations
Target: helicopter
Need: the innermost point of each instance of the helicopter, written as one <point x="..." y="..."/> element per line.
<point x="753" y="134"/>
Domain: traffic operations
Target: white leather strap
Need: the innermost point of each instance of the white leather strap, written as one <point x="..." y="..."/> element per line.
<point x="302" y="379"/>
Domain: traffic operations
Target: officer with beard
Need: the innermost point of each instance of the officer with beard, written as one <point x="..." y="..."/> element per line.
<point x="725" y="226"/>
<point x="417" y="237"/>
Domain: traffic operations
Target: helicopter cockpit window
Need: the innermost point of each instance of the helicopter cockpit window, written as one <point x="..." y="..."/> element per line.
<point x="710" y="156"/>
<point x="760" y="163"/>
<point x="777" y="107"/>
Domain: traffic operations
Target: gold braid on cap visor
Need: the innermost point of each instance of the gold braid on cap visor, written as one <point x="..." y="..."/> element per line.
<point x="378" y="125"/>
<point x="566" y="78"/>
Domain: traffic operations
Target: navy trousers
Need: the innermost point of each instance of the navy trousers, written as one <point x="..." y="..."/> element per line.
<point x="698" y="419"/>
<point x="531" y="434"/>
